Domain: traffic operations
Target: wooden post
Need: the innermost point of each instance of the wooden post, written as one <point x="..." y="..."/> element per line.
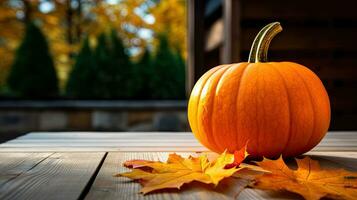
<point x="231" y="37"/>
<point x="195" y="64"/>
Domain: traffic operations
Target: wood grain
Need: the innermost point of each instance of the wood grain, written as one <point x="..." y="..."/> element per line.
<point x="58" y="176"/>
<point x="126" y="141"/>
<point x="68" y="175"/>
<point x="13" y="165"/>
<point x="108" y="187"/>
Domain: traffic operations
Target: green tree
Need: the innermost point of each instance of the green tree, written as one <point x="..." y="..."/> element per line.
<point x="169" y="82"/>
<point x="123" y="69"/>
<point x="104" y="80"/>
<point x="114" y="71"/>
<point x="181" y="74"/>
<point x="81" y="81"/>
<point x="144" y="74"/>
<point x="33" y="74"/>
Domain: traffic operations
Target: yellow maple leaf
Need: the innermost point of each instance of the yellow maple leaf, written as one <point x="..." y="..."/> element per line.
<point x="309" y="179"/>
<point x="155" y="175"/>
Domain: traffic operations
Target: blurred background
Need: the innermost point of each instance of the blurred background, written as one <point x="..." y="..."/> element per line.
<point x="129" y="65"/>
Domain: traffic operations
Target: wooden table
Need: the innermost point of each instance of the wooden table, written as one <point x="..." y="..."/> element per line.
<point x="81" y="165"/>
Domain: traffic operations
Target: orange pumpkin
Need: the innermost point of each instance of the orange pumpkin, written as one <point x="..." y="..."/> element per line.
<point x="276" y="108"/>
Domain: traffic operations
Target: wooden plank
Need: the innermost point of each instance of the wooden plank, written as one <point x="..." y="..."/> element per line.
<point x="124" y="141"/>
<point x="232" y="32"/>
<point x="137" y="135"/>
<point x="102" y="149"/>
<point x="99" y="144"/>
<point x="108" y="187"/>
<point x="152" y="135"/>
<point x="59" y="176"/>
<point x="146" y="149"/>
<point x="325" y="142"/>
<point x="65" y="142"/>
<point x="14" y="164"/>
<point x="179" y="142"/>
<point x="142" y="137"/>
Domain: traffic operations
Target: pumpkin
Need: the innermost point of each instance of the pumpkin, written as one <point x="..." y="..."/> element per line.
<point x="275" y="108"/>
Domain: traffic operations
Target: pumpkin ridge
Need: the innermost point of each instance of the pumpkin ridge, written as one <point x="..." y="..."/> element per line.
<point x="289" y="103"/>
<point x="312" y="103"/>
<point x="198" y="134"/>
<point x="221" y="79"/>
<point x="212" y="135"/>
<point x="256" y="110"/>
<point x="313" y="108"/>
<point x="208" y="134"/>
<point x="235" y="72"/>
<point x="237" y="138"/>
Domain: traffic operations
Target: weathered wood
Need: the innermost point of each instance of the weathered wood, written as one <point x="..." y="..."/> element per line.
<point x="13" y="165"/>
<point x="102" y="149"/>
<point x="109" y="135"/>
<point x="91" y="141"/>
<point x="74" y="175"/>
<point x="108" y="187"/>
<point x="59" y="176"/>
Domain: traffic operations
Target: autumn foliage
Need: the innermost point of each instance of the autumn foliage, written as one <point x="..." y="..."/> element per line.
<point x="309" y="180"/>
<point x="155" y="175"/>
<point x="116" y="35"/>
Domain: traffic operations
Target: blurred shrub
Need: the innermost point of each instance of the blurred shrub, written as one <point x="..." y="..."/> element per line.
<point x="33" y="74"/>
<point x="123" y="82"/>
<point x="169" y="69"/>
<point x="144" y="72"/>
<point x="108" y="72"/>
<point x="103" y="73"/>
<point x="114" y="70"/>
<point x="81" y="82"/>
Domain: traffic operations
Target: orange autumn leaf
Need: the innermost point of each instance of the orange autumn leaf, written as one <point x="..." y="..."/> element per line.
<point x="239" y="157"/>
<point x="309" y="179"/>
<point x="155" y="175"/>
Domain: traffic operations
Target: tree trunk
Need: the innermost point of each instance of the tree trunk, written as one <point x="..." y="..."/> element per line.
<point x="69" y="18"/>
<point x="79" y="20"/>
<point x="27" y="11"/>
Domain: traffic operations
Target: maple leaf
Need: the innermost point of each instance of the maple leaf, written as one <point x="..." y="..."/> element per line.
<point x="155" y="175"/>
<point x="309" y="179"/>
<point x="239" y="156"/>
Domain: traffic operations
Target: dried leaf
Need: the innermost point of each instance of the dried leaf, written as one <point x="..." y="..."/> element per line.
<point x="239" y="156"/>
<point x="309" y="180"/>
<point x="155" y="175"/>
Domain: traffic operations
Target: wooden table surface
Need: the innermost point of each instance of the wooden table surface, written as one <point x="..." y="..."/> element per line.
<point x="81" y="165"/>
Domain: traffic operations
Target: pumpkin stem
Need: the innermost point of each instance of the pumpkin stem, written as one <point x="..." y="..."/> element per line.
<point x="259" y="49"/>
